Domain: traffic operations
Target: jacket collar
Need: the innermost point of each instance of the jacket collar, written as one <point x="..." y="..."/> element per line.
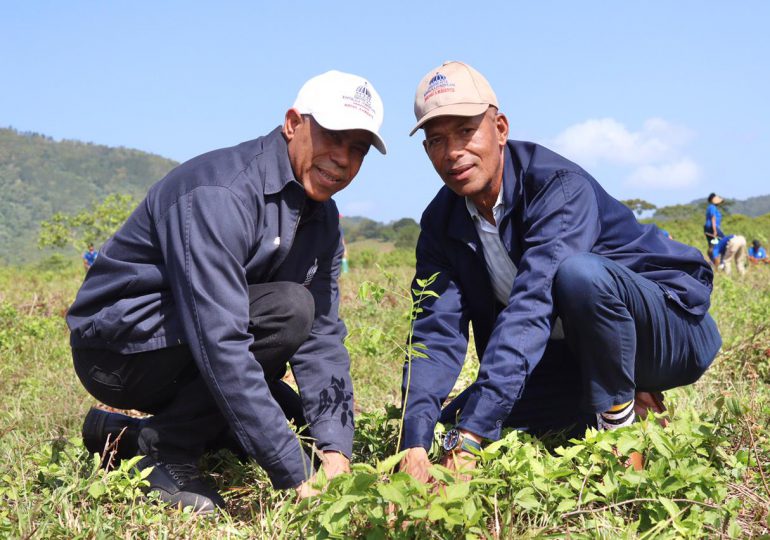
<point x="511" y="188"/>
<point x="277" y="167"/>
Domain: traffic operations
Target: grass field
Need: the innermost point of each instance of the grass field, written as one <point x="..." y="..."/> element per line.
<point x="706" y="475"/>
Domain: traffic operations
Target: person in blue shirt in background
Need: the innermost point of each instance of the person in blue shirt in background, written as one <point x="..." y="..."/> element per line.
<point x="581" y="315"/>
<point x="757" y="253"/>
<point x="713" y="224"/>
<point x="89" y="257"/>
<point x="729" y="248"/>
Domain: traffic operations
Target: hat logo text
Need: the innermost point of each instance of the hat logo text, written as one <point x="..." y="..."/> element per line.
<point x="439" y="84"/>
<point x="361" y="100"/>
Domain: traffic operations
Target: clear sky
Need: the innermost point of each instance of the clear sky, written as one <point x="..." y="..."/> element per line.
<point x="661" y="100"/>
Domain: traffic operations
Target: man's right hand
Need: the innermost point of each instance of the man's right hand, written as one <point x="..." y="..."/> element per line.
<point x="306" y="489"/>
<point x="416" y="464"/>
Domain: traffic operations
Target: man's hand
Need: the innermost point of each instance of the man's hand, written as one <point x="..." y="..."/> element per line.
<point x="416" y="464"/>
<point x="306" y="489"/>
<point x="333" y="463"/>
<point x="650" y="401"/>
<point x="461" y="461"/>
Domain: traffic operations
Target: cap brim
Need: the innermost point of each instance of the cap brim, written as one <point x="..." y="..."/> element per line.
<point x="456" y="109"/>
<point x="377" y="141"/>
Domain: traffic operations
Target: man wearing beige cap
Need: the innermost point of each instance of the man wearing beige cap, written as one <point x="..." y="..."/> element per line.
<point x="581" y="315"/>
<point x="224" y="273"/>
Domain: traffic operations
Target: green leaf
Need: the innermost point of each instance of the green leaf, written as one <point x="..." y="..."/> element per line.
<point x="392" y="493"/>
<point x="670" y="506"/>
<point x="526" y="499"/>
<point x="570" y="452"/>
<point x="456" y="491"/>
<point x="97" y="489"/>
<point x="437" y="512"/>
<point x="387" y="464"/>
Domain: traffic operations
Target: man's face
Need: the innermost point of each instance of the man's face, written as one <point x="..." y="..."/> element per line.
<point x="323" y="161"/>
<point x="467" y="151"/>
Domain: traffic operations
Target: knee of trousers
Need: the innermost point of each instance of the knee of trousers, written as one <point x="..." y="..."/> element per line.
<point x="298" y="309"/>
<point x="579" y="283"/>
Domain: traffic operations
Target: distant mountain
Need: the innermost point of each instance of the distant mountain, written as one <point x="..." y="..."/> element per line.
<point x="40" y="176"/>
<point x="751" y="207"/>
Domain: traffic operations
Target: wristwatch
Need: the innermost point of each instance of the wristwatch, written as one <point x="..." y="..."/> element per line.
<point x="454" y="440"/>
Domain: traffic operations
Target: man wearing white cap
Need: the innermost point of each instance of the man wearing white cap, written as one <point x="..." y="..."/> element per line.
<point x="580" y="314"/>
<point x="224" y="273"/>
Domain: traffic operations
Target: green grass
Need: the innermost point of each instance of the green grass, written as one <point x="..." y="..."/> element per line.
<point x="706" y="475"/>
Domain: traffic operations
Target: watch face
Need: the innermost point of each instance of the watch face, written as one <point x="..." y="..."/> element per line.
<point x="451" y="438"/>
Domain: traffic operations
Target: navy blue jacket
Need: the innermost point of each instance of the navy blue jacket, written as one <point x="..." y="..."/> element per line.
<point x="553" y="209"/>
<point x="178" y="271"/>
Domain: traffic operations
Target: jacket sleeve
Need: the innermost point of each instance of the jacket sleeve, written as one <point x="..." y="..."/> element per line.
<point x="561" y="220"/>
<point x="204" y="258"/>
<point x="442" y="327"/>
<point x="321" y="366"/>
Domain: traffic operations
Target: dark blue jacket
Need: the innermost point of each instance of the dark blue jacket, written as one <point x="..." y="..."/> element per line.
<point x="178" y="271"/>
<point x="553" y="209"/>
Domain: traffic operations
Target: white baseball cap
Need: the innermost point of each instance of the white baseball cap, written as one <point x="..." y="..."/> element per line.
<point x="340" y="101"/>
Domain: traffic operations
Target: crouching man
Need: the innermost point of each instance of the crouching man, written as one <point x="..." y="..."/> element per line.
<point x="224" y="273"/>
<point x="580" y="314"/>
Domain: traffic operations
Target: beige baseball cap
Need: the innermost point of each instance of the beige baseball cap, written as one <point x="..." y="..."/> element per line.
<point x="340" y="101"/>
<point x="452" y="89"/>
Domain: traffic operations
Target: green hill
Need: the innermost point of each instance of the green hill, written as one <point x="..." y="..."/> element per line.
<point x="40" y="176"/>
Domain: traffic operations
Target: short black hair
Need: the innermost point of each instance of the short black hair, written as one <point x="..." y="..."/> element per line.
<point x="755" y="243"/>
<point x="711" y="196"/>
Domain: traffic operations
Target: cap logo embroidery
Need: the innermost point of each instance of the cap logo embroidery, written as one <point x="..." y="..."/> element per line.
<point x="439" y="84"/>
<point x="361" y="100"/>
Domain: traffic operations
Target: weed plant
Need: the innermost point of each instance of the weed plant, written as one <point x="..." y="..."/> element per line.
<point x="706" y="475"/>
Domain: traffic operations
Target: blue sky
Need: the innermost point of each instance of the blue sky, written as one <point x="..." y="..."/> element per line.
<point x="662" y="100"/>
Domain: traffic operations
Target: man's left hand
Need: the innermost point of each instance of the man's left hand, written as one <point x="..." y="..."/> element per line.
<point x="334" y="464"/>
<point x="460" y="461"/>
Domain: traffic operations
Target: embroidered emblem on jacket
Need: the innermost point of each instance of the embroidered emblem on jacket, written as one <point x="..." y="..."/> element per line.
<point x="310" y="274"/>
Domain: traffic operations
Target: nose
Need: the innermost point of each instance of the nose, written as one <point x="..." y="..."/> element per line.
<point x="453" y="149"/>
<point x="340" y="154"/>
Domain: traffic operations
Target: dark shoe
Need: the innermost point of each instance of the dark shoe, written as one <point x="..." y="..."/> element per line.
<point x="100" y="425"/>
<point x="181" y="485"/>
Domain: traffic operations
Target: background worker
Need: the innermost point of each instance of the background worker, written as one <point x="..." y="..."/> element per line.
<point x="729" y="248"/>
<point x="757" y="253"/>
<point x="713" y="223"/>
<point x="89" y="257"/>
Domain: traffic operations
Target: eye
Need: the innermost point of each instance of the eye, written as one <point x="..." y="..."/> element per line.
<point x="361" y="149"/>
<point x="432" y="142"/>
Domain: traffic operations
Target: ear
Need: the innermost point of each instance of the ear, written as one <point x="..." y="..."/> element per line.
<point x="425" y="147"/>
<point x="501" y="124"/>
<point x="291" y="121"/>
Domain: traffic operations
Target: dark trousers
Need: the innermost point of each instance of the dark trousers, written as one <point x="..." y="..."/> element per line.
<point x="167" y="384"/>
<point x="622" y="334"/>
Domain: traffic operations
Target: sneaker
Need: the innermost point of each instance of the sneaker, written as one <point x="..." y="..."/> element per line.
<point x="121" y="430"/>
<point x="181" y="485"/>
